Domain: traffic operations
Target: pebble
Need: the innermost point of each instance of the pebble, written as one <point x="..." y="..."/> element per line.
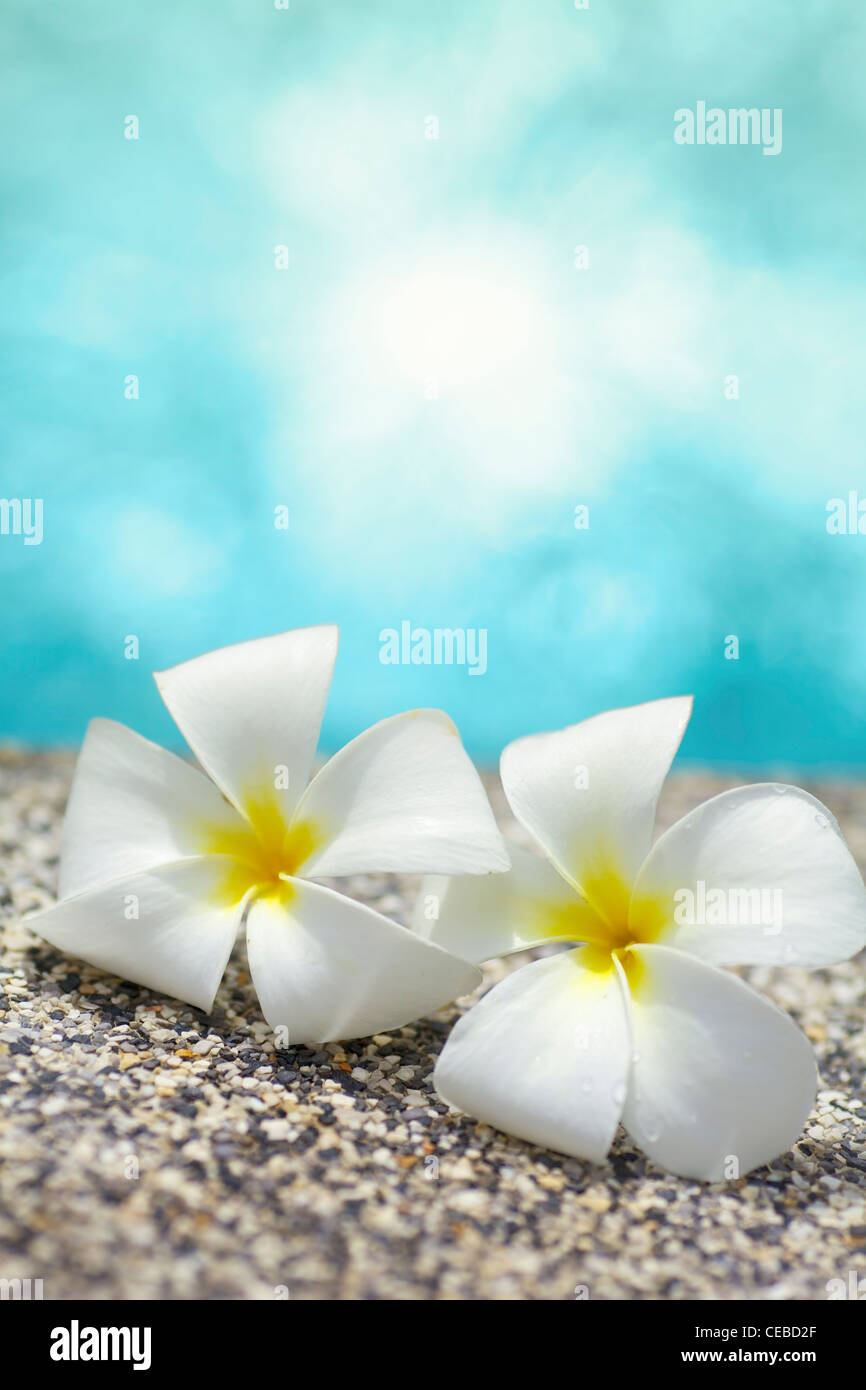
<point x="148" y="1151"/>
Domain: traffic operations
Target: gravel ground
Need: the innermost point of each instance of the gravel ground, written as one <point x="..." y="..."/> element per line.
<point x="150" y="1151"/>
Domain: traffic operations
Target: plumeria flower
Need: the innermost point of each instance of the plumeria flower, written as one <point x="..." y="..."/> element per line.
<point x="638" y="1023"/>
<point x="160" y="864"/>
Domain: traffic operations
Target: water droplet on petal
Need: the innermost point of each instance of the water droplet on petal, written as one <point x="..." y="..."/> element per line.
<point x="586" y="1086"/>
<point x="821" y="820"/>
<point x="618" y="1093"/>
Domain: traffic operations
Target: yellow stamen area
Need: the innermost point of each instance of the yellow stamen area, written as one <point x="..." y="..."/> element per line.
<point x="608" y="921"/>
<point x="263" y="850"/>
<point x="595" y="964"/>
<point x="635" y="970"/>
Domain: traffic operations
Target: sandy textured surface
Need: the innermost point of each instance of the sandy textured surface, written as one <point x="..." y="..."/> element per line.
<point x="149" y="1151"/>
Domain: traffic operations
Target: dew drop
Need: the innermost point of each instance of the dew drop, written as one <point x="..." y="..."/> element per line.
<point x="586" y="1086"/>
<point x="822" y="821"/>
<point x="618" y="1093"/>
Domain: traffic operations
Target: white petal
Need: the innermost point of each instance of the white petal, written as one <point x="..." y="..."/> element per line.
<point x="251" y="713"/>
<point x="544" y="1056"/>
<point x="403" y="797"/>
<point x="133" y="806"/>
<point x="326" y="967"/>
<point x="588" y="793"/>
<point x="478" y="918"/>
<point x="179" y="941"/>
<point x="723" y="1081"/>
<point x="771" y="838"/>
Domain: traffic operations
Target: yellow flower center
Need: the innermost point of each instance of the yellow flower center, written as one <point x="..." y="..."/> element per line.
<point x="608" y="921"/>
<point x="264" y="850"/>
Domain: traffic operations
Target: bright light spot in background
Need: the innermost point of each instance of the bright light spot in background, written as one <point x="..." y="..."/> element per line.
<point x="456" y="329"/>
<point x="515" y="374"/>
<point x="503" y="377"/>
<point x="460" y="351"/>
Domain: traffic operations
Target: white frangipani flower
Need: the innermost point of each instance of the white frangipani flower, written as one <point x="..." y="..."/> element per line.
<point x="639" y="1024"/>
<point x="159" y="864"/>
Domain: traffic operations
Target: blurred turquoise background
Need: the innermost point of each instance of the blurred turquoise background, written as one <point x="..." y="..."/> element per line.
<point x="431" y="386"/>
